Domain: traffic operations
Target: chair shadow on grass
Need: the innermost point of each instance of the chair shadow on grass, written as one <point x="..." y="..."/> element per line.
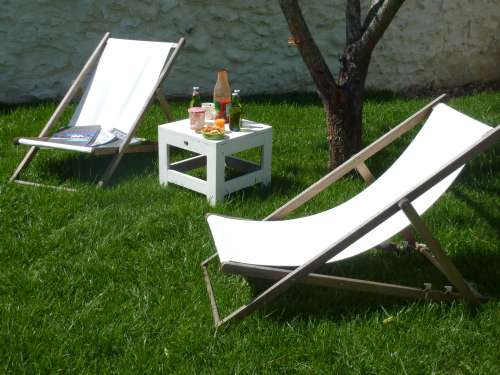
<point x="411" y="269"/>
<point x="89" y="169"/>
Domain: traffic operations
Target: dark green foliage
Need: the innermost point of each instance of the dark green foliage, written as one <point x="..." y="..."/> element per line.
<point x="109" y="280"/>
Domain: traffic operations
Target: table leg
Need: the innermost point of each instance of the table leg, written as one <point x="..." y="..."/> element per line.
<point x="164" y="161"/>
<point x="215" y="175"/>
<point x="265" y="161"/>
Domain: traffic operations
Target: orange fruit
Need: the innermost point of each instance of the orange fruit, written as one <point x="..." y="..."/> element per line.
<point x="219" y="123"/>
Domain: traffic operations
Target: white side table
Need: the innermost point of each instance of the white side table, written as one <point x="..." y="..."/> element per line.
<point x="215" y="155"/>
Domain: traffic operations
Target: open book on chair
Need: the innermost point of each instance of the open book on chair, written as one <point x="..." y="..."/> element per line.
<point x="78" y="135"/>
<point x="89" y="136"/>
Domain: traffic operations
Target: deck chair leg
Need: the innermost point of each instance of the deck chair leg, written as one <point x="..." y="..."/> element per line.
<point x="239" y="313"/>
<point x="123" y="149"/>
<point x="422" y="249"/>
<point x="24" y="163"/>
<point x="409" y="237"/>
<point x="367" y="176"/>
<point x="446" y="265"/>
<point x="111" y="169"/>
<point x="211" y="294"/>
<point x="343" y="283"/>
<point x="263" y="298"/>
<point x="365" y="173"/>
<point x="164" y="105"/>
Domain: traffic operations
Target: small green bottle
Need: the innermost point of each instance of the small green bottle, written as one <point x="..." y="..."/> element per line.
<point x="235" y="112"/>
<point x="195" y="99"/>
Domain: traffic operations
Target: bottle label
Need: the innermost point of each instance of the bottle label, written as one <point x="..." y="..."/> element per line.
<point x="221" y="108"/>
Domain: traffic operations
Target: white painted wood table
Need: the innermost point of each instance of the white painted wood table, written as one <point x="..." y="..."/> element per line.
<point x="215" y="155"/>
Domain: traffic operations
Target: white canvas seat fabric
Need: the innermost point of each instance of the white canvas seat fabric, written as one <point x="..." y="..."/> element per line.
<point x="126" y="74"/>
<point x="445" y="135"/>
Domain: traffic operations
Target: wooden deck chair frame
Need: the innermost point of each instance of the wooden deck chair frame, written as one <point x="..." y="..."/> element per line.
<point x="433" y="251"/>
<point x="125" y="147"/>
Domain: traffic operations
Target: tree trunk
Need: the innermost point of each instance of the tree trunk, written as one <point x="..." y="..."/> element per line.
<point x="344" y="124"/>
<point x="344" y="109"/>
<point x="342" y="98"/>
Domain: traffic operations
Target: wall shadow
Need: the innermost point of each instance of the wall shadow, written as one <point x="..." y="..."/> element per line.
<point x="309" y="98"/>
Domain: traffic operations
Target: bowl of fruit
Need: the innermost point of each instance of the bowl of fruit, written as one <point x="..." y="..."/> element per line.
<point x="213" y="133"/>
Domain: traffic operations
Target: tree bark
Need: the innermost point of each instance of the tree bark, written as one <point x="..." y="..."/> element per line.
<point x="344" y="111"/>
<point x="342" y="97"/>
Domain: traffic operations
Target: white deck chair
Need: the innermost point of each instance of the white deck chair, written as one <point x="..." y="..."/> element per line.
<point x="386" y="207"/>
<point x="127" y="77"/>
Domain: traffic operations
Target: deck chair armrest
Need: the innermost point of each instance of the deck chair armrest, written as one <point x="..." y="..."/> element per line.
<point x="355" y="161"/>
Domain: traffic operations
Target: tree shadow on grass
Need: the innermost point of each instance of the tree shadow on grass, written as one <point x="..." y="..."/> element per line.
<point x="485" y="211"/>
<point x="306" y="301"/>
<point x="480" y="170"/>
<point x="279" y="186"/>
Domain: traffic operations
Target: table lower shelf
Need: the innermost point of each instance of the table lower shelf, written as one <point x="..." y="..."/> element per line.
<point x="252" y="174"/>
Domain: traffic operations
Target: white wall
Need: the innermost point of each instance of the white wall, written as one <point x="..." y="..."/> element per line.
<point x="44" y="43"/>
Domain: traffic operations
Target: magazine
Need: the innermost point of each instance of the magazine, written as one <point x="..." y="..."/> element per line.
<point x="80" y="135"/>
<point x="90" y="136"/>
<point x="104" y="137"/>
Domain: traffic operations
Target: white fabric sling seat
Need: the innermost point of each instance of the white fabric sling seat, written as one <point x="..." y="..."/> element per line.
<point x="127" y="75"/>
<point x="415" y="181"/>
<point x="293" y="242"/>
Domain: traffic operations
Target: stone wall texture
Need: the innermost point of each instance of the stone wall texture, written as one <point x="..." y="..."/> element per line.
<point x="438" y="43"/>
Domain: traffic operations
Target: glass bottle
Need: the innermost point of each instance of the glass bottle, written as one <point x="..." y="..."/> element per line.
<point x="235" y="112"/>
<point x="222" y="94"/>
<point x="195" y="99"/>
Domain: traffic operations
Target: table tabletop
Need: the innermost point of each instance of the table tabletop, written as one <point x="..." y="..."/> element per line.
<point x="248" y="128"/>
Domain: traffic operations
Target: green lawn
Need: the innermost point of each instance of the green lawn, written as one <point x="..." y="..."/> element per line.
<point x="109" y="280"/>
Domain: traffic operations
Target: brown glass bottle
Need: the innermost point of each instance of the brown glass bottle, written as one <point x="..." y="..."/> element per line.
<point x="222" y="94"/>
